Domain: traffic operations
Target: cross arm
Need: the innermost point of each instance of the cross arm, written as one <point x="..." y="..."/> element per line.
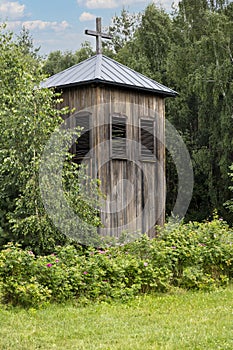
<point x="94" y="33"/>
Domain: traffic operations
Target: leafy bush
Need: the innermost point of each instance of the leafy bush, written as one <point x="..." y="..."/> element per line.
<point x="206" y="246"/>
<point x="29" y="117"/>
<point x="19" y="285"/>
<point x="191" y="256"/>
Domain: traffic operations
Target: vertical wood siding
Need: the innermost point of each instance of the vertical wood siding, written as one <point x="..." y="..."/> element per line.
<point x="134" y="188"/>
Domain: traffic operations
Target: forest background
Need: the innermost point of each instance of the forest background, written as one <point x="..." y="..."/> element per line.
<point x="189" y="50"/>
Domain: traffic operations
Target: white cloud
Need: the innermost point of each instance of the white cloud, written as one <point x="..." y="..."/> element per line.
<point x="42" y="25"/>
<point x="166" y="4"/>
<point x="38" y="25"/>
<point x="106" y="4"/>
<point x="12" y="10"/>
<point x="86" y="16"/>
<point x="99" y="4"/>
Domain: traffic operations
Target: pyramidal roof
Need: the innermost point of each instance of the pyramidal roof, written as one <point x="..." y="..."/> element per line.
<point x="102" y="69"/>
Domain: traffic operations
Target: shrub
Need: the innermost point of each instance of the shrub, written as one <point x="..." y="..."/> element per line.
<point x="191" y="256"/>
<point x="19" y="285"/>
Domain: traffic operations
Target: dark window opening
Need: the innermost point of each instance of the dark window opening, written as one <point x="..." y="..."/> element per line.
<point x="147" y="138"/>
<point x="83" y="142"/>
<point x="118" y="137"/>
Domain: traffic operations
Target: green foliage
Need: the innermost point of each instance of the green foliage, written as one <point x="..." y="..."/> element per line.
<point x="142" y="42"/>
<point x="28" y="117"/>
<point x="25" y="42"/>
<point x="199" y="67"/>
<point x="191" y="256"/>
<point x="122" y="30"/>
<point x="155" y="35"/>
<point x="18" y="279"/>
<point x="229" y="203"/>
<point x="191" y="52"/>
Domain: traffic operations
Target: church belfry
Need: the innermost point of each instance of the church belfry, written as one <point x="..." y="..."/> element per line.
<point x="123" y="115"/>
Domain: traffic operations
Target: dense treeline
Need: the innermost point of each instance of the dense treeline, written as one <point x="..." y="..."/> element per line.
<point x="189" y="51"/>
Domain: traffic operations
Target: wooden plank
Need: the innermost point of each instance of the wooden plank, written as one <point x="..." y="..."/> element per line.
<point x="146" y="178"/>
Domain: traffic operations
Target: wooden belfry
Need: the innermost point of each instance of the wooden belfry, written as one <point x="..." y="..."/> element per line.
<point x="124" y="111"/>
<point x="99" y="35"/>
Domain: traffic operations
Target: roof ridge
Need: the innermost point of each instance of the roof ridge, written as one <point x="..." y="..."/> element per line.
<point x="98" y="65"/>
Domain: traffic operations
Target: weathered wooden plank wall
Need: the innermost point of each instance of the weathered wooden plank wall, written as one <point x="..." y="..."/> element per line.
<point x="134" y="189"/>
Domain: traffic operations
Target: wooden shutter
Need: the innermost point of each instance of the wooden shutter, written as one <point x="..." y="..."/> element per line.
<point x="118" y="138"/>
<point x="147" y="139"/>
<point x="83" y="142"/>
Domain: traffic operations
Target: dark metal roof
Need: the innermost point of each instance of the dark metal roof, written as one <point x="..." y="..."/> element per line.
<point x="102" y="69"/>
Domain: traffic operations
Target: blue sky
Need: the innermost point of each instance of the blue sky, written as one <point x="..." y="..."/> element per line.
<point x="60" y="24"/>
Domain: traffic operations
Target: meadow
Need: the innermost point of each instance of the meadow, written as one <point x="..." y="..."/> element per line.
<point x="176" y="320"/>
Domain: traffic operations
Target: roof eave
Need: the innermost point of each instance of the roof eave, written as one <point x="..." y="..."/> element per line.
<point x="126" y="86"/>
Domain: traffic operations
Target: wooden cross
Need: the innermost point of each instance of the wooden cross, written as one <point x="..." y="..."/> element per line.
<point x="99" y="35"/>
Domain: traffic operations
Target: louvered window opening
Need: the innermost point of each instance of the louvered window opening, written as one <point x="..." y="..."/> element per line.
<point x="118" y="137"/>
<point x="147" y="139"/>
<point x="83" y="142"/>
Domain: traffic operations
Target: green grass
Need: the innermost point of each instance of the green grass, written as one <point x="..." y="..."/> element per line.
<point x="182" y="320"/>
